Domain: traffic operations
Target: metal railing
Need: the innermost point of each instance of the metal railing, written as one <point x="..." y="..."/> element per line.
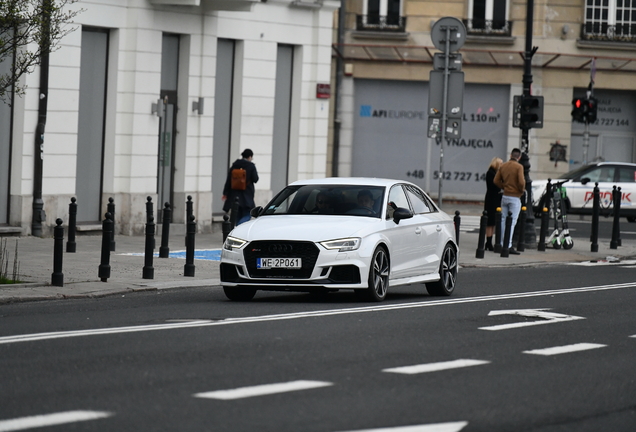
<point x="380" y="23"/>
<point x="609" y="33"/>
<point x="483" y="27"/>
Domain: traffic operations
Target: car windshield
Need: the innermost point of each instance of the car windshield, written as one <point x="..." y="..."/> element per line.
<point x="353" y="200"/>
<point x="576" y="173"/>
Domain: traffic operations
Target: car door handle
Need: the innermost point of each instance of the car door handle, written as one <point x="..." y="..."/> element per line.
<point x="438" y="228"/>
<point x="418" y="230"/>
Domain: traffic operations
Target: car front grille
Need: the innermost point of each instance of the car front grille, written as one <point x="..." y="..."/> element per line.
<point x="307" y="251"/>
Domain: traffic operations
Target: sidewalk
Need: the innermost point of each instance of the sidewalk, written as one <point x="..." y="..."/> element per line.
<point x="80" y="269"/>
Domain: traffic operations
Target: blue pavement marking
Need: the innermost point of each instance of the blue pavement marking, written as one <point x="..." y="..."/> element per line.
<point x="201" y="254"/>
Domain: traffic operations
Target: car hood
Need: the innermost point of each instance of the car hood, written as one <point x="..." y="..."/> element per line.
<point x="305" y="227"/>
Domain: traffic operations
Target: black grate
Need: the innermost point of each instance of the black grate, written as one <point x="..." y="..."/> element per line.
<point x="307" y="251"/>
<point x="345" y="274"/>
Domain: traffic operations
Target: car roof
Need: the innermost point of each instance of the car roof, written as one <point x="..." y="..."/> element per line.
<point x="613" y="163"/>
<point x="353" y="181"/>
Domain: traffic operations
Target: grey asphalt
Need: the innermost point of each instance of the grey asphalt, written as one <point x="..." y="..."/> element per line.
<point x="81" y="269"/>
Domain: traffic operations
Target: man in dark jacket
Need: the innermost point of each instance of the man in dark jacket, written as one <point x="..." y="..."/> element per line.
<point x="246" y="197"/>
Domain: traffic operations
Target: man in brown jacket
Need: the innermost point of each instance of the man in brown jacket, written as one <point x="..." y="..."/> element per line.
<point x="510" y="178"/>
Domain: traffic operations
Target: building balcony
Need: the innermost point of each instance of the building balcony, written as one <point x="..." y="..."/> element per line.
<point x="379" y="23"/>
<point x="483" y="27"/>
<point x="604" y="32"/>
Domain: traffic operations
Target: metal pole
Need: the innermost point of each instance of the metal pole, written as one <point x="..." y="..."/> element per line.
<point x="530" y="237"/>
<point x="38" y="215"/>
<point x="444" y="116"/>
<point x="337" y="120"/>
<point x="586" y="142"/>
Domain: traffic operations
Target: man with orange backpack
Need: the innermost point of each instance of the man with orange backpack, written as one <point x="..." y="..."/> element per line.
<point x="240" y="183"/>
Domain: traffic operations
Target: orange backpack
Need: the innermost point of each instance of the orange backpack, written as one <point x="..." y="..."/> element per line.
<point x="239" y="179"/>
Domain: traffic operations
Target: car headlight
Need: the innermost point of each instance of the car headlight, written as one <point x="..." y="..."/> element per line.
<point x="232" y="243"/>
<point x="343" y="245"/>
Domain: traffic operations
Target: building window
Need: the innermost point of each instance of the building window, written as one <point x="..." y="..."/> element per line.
<point x="611" y="20"/>
<point x="488" y="17"/>
<point x="381" y="15"/>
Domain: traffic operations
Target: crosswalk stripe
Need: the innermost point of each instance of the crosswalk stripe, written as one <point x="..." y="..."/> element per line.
<point x="261" y="390"/>
<point x="434" y="367"/>
<point x="565" y="349"/>
<point x="436" y="427"/>
<point x="23" y="423"/>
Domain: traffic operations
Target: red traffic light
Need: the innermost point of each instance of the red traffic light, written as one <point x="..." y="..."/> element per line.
<point x="578" y="103"/>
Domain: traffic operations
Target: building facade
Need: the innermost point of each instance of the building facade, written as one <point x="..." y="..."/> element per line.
<point x="156" y="98"/>
<point x="387" y="55"/>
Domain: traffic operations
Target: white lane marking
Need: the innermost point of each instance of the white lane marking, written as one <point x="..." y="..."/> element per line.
<point x="565" y="349"/>
<point x="434" y="367"/>
<point x="434" y="427"/>
<point x="23" y="423"/>
<point x="261" y="390"/>
<point x="546" y="318"/>
<point x="634" y="336"/>
<point x="605" y="262"/>
<point x="310" y="314"/>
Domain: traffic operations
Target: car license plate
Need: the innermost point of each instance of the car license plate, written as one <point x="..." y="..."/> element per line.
<point x="271" y="263"/>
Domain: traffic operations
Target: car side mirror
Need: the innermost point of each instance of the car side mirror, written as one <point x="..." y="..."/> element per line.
<point x="585" y="180"/>
<point x="401" y="213"/>
<point x="256" y="211"/>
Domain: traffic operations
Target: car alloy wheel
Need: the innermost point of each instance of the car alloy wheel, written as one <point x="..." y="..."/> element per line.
<point x="447" y="274"/>
<point x="378" y="275"/>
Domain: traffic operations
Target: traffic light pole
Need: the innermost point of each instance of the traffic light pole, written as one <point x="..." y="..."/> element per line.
<point x="530" y="237"/>
<point x="586" y="142"/>
<point x="586" y="133"/>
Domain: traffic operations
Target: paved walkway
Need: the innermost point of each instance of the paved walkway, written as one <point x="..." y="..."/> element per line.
<point x="80" y="269"/>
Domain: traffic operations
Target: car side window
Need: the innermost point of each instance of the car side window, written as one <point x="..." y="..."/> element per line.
<point x="418" y="201"/>
<point x="601" y="174"/>
<point x="397" y="198"/>
<point x="627" y="175"/>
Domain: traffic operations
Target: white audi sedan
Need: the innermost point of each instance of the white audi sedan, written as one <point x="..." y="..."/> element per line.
<point x="323" y="235"/>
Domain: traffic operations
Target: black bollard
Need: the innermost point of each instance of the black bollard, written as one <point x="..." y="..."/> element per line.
<point x="149" y="270"/>
<point x="497" y="246"/>
<point x="505" y="248"/>
<point x="189" y="211"/>
<point x="483" y="222"/>
<point x="619" y="197"/>
<point x="72" y="226"/>
<point x="111" y="210"/>
<point x="150" y="215"/>
<point x="521" y="245"/>
<point x="596" y="210"/>
<point x="545" y="221"/>
<point x="57" y="278"/>
<point x="458" y="221"/>
<point x="234" y="213"/>
<point x="104" y="266"/>
<point x="164" y="250"/>
<point x="616" y="198"/>
<point x="226" y="227"/>
<point x="188" y="268"/>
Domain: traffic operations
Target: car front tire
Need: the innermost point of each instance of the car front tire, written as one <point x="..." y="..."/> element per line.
<point x="239" y="293"/>
<point x="378" y="275"/>
<point x="447" y="273"/>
